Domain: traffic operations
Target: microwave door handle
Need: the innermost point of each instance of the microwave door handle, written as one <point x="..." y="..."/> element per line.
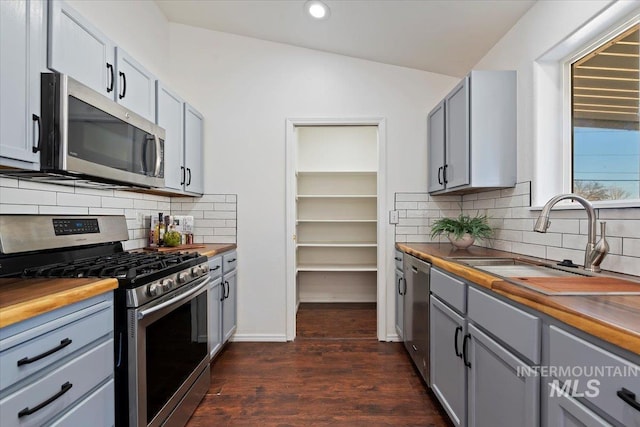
<point x="158" y="156"/>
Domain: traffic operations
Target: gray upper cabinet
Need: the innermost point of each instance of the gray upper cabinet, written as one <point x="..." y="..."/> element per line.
<point x="170" y="116"/>
<point x="435" y="148"/>
<point x="193" y="145"/>
<point x="472" y="135"/>
<point x="23" y="53"/>
<point x="80" y="50"/>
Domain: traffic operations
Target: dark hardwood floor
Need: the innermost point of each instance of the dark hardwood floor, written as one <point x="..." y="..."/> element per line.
<point x="336" y="373"/>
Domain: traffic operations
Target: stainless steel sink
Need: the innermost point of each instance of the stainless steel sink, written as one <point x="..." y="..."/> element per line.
<point x="516" y="267"/>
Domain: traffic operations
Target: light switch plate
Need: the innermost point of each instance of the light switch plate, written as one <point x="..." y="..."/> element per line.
<point x="393" y="217"/>
<point x="140" y="219"/>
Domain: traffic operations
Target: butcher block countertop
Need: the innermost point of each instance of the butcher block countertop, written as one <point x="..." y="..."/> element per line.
<point x="612" y="318"/>
<point x="21" y="299"/>
<point x="212" y="249"/>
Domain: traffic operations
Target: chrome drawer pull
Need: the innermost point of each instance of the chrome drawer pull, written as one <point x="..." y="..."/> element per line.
<point x="25" y="361"/>
<point x="63" y="389"/>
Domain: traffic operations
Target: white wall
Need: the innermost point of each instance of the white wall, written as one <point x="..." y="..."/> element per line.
<point x="246" y="88"/>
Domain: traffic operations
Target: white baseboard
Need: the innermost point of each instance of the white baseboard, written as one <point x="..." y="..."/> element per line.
<point x="331" y="298"/>
<point x="259" y="338"/>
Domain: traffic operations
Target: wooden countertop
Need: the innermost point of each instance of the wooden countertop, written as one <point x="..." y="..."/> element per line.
<point x="612" y="318"/>
<point x="21" y="299"/>
<point x="212" y="249"/>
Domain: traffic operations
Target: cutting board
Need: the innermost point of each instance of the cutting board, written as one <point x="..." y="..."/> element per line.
<point x="580" y="285"/>
<point x="173" y="248"/>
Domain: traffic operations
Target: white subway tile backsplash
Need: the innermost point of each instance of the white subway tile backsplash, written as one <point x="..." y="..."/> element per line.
<point x="18" y="209"/>
<point x="407" y="205"/>
<point x="413" y="221"/>
<point x="116" y="202"/>
<point x="512" y="219"/>
<point x="411" y="197"/>
<point x="547" y="239"/>
<point x="216" y="211"/>
<point x="631" y="247"/>
<point x="18" y="196"/>
<point x="63" y="210"/>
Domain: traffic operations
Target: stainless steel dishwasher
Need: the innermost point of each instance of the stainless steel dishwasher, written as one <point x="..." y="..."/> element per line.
<point x="416" y="313"/>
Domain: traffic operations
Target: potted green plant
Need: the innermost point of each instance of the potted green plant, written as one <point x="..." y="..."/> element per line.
<point x="463" y="230"/>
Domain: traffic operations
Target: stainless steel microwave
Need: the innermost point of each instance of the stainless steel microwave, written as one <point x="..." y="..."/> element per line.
<point x="85" y="136"/>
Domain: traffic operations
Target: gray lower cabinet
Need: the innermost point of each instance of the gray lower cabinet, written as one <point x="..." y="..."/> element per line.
<point x="222" y="300"/>
<point x="229" y="305"/>
<point x="565" y="411"/>
<point x="214" y="313"/>
<point x="57" y="368"/>
<point x="498" y="395"/>
<point x="591" y="376"/>
<point x="23" y="53"/>
<point x="448" y="373"/>
<point x="400" y="289"/>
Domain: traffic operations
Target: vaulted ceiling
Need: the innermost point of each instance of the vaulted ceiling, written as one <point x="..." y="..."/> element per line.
<point x="442" y="36"/>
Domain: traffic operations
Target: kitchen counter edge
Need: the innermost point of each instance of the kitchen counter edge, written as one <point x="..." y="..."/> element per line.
<point x="581" y="312"/>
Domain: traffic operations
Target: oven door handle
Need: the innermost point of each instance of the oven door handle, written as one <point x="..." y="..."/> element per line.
<point x="143" y="313"/>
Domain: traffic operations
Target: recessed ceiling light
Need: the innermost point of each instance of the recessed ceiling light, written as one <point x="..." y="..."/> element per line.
<point x="317" y="9"/>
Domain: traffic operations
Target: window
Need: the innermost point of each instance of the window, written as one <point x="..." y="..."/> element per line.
<point x="604" y="109"/>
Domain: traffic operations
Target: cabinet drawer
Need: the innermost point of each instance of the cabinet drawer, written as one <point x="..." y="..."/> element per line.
<point x="229" y="261"/>
<point x="603" y="374"/>
<point x="97" y="409"/>
<point x="449" y="289"/>
<point x="514" y="327"/>
<point x="399" y="256"/>
<point x="82" y="374"/>
<point x="215" y="267"/>
<point x="53" y="341"/>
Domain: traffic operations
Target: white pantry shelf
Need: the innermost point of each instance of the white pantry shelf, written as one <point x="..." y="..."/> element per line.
<point x="336" y="220"/>
<point x="336" y="196"/>
<point x="336" y="267"/>
<point x="337" y="245"/>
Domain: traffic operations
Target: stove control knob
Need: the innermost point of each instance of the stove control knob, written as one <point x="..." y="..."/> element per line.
<point x="196" y="271"/>
<point x="183" y="277"/>
<point x="154" y="289"/>
<point x="167" y="284"/>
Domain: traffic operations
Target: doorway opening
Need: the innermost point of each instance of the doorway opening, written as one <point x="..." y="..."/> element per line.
<point x="335" y="245"/>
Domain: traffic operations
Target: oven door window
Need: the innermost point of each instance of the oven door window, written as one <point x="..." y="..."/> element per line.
<point x="100" y="138"/>
<point x="176" y="343"/>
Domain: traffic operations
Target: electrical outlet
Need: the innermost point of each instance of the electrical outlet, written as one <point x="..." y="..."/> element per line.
<point x="393" y="217"/>
<point x="140" y="219"/>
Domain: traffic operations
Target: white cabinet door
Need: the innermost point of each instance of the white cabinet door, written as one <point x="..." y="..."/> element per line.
<point x="216" y="294"/>
<point x="456" y="167"/>
<point x="497" y="395"/>
<point x="193" y="155"/>
<point x="565" y="411"/>
<point x="435" y="148"/>
<point x="170" y="116"/>
<point x="22" y="58"/>
<point x="229" y="307"/>
<point x="80" y="50"/>
<point x="135" y="87"/>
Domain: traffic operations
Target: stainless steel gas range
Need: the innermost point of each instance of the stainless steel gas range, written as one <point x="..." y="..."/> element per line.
<point x="161" y="349"/>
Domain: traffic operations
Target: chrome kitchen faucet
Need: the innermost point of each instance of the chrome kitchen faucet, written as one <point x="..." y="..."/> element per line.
<point x="594" y="252"/>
